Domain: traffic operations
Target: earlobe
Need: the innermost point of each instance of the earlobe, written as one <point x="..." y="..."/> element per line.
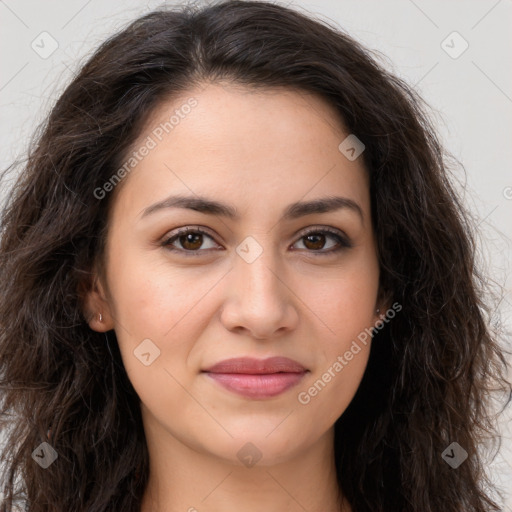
<point x="99" y="323"/>
<point x="97" y="308"/>
<point x="378" y="316"/>
<point x="382" y="305"/>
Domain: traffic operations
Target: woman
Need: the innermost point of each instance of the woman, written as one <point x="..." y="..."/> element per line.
<point x="237" y="277"/>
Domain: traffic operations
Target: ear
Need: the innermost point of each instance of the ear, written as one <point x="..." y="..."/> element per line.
<point x="382" y="305"/>
<point x="95" y="302"/>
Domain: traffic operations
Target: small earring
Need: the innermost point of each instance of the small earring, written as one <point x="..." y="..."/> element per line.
<point x="377" y="311"/>
<point x="100" y="318"/>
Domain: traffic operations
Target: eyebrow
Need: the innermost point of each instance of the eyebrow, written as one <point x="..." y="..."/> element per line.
<point x="292" y="211"/>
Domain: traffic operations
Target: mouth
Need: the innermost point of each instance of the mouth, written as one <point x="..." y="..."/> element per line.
<point x="257" y="379"/>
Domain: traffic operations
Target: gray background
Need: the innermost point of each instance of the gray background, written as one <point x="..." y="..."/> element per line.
<point x="470" y="95"/>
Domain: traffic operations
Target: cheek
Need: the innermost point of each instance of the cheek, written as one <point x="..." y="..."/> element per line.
<point x="347" y="308"/>
<point x="347" y="305"/>
<point x="328" y="394"/>
<point x="153" y="298"/>
<point x="155" y="304"/>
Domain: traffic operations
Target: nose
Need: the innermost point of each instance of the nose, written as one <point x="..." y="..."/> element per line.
<point x="259" y="301"/>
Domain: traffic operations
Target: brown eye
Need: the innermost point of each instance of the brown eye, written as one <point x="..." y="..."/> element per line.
<point x="188" y="241"/>
<point x="315" y="241"/>
<point x="191" y="241"/>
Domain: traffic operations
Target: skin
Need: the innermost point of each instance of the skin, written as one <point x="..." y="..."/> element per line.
<point x="258" y="150"/>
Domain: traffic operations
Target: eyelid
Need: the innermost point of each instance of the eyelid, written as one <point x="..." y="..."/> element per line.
<point x="343" y="240"/>
<point x="175" y="234"/>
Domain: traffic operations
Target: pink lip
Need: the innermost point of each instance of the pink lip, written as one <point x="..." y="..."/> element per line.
<point x="255" y="378"/>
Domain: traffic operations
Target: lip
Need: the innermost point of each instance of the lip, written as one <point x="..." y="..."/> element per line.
<point x="253" y="366"/>
<point x="257" y="378"/>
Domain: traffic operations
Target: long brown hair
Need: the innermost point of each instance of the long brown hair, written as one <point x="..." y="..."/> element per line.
<point x="431" y="369"/>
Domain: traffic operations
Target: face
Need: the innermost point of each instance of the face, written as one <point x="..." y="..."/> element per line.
<point x="254" y="277"/>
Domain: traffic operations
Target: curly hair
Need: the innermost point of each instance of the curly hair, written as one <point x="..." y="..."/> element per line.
<point x="431" y="371"/>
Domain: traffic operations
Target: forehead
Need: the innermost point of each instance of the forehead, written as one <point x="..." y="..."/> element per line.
<point x="226" y="139"/>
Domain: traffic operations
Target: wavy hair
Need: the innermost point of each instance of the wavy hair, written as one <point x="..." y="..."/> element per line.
<point x="432" y="369"/>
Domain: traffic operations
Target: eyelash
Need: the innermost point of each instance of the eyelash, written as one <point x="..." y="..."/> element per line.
<point x="343" y="242"/>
